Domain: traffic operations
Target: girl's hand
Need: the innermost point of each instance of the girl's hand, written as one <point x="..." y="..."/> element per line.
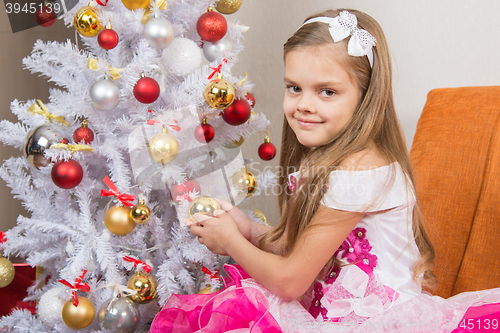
<point x="242" y="219"/>
<point x="215" y="232"/>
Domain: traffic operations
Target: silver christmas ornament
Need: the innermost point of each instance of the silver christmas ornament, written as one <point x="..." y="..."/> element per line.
<point x="119" y="315"/>
<point x="159" y="32"/>
<point x="182" y="57"/>
<point x="49" y="308"/>
<point x="39" y="139"/>
<point x="219" y="49"/>
<point x="105" y="95"/>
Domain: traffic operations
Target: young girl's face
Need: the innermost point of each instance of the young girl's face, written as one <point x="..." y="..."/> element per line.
<point x="320" y="96"/>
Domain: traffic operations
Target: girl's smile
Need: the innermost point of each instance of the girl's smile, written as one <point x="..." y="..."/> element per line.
<point x="320" y="96"/>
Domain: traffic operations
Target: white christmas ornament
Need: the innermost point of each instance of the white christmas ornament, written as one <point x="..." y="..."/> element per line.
<point x="49" y="308"/>
<point x="159" y="32"/>
<point x="105" y="95"/>
<point x="214" y="51"/>
<point x="182" y="57"/>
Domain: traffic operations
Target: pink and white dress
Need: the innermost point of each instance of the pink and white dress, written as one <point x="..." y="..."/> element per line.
<point x="374" y="291"/>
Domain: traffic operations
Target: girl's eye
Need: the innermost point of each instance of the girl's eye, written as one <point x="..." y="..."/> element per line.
<point x="293" y="89"/>
<point x="327" y="93"/>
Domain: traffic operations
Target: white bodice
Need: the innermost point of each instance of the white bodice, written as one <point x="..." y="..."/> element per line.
<point x="381" y="249"/>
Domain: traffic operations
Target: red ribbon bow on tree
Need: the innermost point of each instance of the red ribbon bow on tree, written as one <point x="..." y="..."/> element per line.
<point x="101" y="3"/>
<point x="3" y="239"/>
<point x="78" y="286"/>
<point x="124" y="198"/>
<point x="212" y="275"/>
<point x="217" y="69"/>
<point x="137" y="262"/>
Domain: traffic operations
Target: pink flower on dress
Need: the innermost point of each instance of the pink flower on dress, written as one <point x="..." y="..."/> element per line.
<point x="292" y="183"/>
<point x="356" y="250"/>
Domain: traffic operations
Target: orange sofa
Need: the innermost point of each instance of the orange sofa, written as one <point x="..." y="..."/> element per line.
<point x="456" y="156"/>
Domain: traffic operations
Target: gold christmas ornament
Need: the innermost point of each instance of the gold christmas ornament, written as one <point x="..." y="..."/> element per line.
<point x="140" y="213"/>
<point x="7" y="272"/>
<point x="207" y="290"/>
<point x="145" y="284"/>
<point x="78" y="317"/>
<point x="228" y="6"/>
<point x="234" y="143"/>
<point x="136" y="4"/>
<point x="203" y="205"/>
<point x="118" y="220"/>
<point x="219" y="94"/>
<point x="86" y="22"/>
<point x="163" y="147"/>
<point x="245" y="181"/>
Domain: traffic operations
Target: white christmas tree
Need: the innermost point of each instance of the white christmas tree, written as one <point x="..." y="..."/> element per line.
<point x="140" y="126"/>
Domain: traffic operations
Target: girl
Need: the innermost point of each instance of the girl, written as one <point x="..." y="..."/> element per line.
<point x="350" y="251"/>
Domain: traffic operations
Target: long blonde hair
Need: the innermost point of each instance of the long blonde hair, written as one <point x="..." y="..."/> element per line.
<point x="374" y="121"/>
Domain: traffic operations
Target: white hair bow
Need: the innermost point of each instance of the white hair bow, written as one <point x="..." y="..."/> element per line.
<point x="345" y="25"/>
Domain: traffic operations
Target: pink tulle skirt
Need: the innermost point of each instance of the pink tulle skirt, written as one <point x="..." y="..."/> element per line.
<point x="245" y="306"/>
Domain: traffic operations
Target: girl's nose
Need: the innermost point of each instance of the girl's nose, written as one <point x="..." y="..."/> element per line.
<point x="306" y="104"/>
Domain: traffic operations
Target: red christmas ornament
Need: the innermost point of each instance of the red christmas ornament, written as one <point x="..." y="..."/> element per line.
<point x="237" y="113"/>
<point x="45" y="16"/>
<point x="267" y="151"/>
<point x="146" y="90"/>
<point x="204" y="132"/>
<point x="181" y="191"/>
<point x="250" y="98"/>
<point x="83" y="133"/>
<point x="67" y="174"/>
<point x="211" y="26"/>
<point x="108" y="39"/>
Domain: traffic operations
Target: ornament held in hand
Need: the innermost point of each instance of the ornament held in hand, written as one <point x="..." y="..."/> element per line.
<point x="203" y="205"/>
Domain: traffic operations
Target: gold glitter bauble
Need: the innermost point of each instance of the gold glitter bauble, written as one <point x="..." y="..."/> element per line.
<point x="207" y="290"/>
<point x="219" y="94"/>
<point x="86" y="22"/>
<point x="245" y="182"/>
<point x="78" y="317"/>
<point x="163" y="147"/>
<point x="118" y="220"/>
<point x="7" y="272"/>
<point x="145" y="284"/>
<point x="228" y="6"/>
<point x="140" y="213"/>
<point x="136" y="4"/>
<point x="203" y="205"/>
<point x="234" y="143"/>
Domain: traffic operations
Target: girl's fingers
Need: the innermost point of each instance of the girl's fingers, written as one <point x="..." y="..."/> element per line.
<point x="187" y="222"/>
<point x="200" y="217"/>
<point x="200" y="240"/>
<point x="224" y="205"/>
<point x="218" y="212"/>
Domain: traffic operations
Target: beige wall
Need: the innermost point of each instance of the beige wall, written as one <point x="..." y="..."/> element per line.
<point x="435" y="43"/>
